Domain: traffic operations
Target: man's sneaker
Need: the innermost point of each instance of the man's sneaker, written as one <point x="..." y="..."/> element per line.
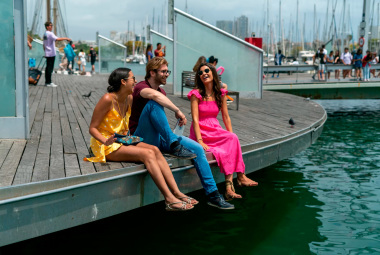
<point x="181" y="152"/>
<point x="217" y="200"/>
<point x="51" y="85"/>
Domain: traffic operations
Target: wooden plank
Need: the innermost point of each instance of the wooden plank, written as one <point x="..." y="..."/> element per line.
<point x="82" y="151"/>
<point x="34" y="106"/>
<point x="9" y="167"/>
<point x="57" y="166"/>
<point x="5" y="147"/>
<point x="41" y="168"/>
<point x="71" y="165"/>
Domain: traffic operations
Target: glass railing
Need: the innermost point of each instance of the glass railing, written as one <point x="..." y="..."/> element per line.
<point x="111" y="55"/>
<point x="37" y="52"/>
<point x="155" y="38"/>
<point x="242" y="61"/>
<point x="7" y="62"/>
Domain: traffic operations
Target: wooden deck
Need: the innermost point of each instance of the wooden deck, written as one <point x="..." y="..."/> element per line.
<point x="60" y="117"/>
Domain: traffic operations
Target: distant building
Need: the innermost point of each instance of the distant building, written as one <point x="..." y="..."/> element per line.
<point x="226" y="25"/>
<point x="241" y="27"/>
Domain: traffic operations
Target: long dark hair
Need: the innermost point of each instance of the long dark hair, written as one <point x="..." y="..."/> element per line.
<point x="115" y="78"/>
<point x="216" y="84"/>
<point x="148" y="48"/>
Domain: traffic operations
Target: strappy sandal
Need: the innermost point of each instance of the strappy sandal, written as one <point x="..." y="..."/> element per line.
<point x="252" y="183"/>
<point x="188" y="200"/>
<point x="182" y="208"/>
<point x="228" y="196"/>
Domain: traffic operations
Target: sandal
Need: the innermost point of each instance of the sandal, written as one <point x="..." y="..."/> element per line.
<point x="250" y="184"/>
<point x="230" y="196"/>
<point x="182" y="208"/>
<point x="188" y="200"/>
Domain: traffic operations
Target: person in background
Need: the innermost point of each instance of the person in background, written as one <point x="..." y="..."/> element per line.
<point x="367" y="65"/>
<point x="49" y="39"/>
<point x="357" y="60"/>
<point x="346" y="58"/>
<point x="214" y="61"/>
<point x="70" y="54"/>
<point x="207" y="100"/>
<point x="148" y="120"/>
<point x="374" y="61"/>
<point x="337" y="60"/>
<point x="160" y="51"/>
<point x="200" y="61"/>
<point x="111" y="115"/>
<point x="330" y="61"/>
<point x="64" y="63"/>
<point x="82" y="60"/>
<point x="278" y="61"/>
<point x="149" y="54"/>
<point x="92" y="55"/>
<point x="321" y="57"/>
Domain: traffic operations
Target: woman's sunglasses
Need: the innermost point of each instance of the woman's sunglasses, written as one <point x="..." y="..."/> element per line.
<point x="200" y="72"/>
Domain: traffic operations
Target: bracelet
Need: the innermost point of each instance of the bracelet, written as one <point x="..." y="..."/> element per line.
<point x="200" y="139"/>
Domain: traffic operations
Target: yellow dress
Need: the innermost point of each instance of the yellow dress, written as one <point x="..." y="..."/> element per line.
<point x="112" y="123"/>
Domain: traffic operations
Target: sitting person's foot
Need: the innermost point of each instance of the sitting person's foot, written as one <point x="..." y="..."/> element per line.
<point x="231" y="194"/>
<point x="181" y="152"/>
<point x="243" y="180"/>
<point x="186" y="199"/>
<point x="178" y="206"/>
<point x="217" y="200"/>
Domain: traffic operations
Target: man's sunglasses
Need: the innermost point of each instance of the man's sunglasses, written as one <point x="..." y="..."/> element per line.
<point x="164" y="71"/>
<point x="201" y="72"/>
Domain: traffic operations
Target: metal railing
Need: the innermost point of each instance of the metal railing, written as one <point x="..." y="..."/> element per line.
<point x="296" y="73"/>
<point x="111" y="54"/>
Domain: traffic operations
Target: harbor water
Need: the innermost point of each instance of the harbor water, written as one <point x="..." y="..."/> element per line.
<point x="324" y="200"/>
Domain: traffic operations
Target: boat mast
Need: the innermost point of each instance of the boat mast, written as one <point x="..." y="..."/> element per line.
<point x="296" y="37"/>
<point x="48" y="16"/>
<point x="55" y="7"/>
<point x="343" y="24"/>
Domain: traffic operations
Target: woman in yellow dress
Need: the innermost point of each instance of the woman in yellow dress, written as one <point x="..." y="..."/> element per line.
<point x="111" y="115"/>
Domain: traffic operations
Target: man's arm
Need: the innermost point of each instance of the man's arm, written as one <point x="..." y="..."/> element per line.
<point x="63" y="38"/>
<point x="163" y="100"/>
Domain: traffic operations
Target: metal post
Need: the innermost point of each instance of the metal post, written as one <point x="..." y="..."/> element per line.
<point x="100" y="61"/>
<point x="171" y="5"/>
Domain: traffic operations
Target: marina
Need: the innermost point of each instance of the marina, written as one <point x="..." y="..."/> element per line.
<point x="316" y="160"/>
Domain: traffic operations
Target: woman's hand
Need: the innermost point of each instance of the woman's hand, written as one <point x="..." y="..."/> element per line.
<point x="205" y="147"/>
<point x="110" y="140"/>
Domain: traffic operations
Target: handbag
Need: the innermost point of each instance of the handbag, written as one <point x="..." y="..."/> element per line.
<point x="79" y="62"/>
<point x="128" y="139"/>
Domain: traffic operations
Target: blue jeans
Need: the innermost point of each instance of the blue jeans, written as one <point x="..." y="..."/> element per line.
<point x="366" y="72"/>
<point x="154" y="128"/>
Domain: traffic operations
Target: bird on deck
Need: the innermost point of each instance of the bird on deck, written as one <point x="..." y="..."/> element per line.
<point x="291" y="122"/>
<point x="87" y="95"/>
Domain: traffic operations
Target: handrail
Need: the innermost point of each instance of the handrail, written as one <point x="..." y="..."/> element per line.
<point x="107" y="39"/>
<point x="218" y="30"/>
<point x="159" y="34"/>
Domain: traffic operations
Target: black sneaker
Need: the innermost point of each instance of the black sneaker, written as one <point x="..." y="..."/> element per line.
<point x="181" y="152"/>
<point x="217" y="200"/>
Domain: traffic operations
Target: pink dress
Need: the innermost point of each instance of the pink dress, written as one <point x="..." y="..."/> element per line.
<point x="224" y="145"/>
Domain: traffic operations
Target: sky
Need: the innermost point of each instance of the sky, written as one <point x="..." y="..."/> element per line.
<point x="85" y="18"/>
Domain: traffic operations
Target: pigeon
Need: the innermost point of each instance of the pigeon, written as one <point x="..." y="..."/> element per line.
<point x="291" y="122"/>
<point x="87" y="95"/>
<point x="307" y="99"/>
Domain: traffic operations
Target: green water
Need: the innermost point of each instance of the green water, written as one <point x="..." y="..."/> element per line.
<point x="324" y="200"/>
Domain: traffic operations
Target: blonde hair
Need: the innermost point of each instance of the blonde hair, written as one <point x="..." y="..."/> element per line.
<point x="154" y="64"/>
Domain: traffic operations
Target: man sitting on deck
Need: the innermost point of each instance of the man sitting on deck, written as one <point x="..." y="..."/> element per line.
<point x="148" y="120"/>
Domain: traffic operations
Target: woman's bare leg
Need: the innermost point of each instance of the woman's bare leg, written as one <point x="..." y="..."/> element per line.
<point x="166" y="171"/>
<point x="147" y="156"/>
<point x="229" y="191"/>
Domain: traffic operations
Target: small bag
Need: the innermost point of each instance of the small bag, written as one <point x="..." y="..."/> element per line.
<point x="79" y="62"/>
<point x="128" y="139"/>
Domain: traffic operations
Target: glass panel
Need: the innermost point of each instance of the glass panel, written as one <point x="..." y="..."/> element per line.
<point x="7" y="61"/>
<point x="155" y="38"/>
<point x="242" y="63"/>
<point x="37" y="52"/>
<point x="111" y="56"/>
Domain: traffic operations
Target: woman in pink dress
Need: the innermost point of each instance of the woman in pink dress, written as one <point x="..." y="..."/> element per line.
<point x="207" y="99"/>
